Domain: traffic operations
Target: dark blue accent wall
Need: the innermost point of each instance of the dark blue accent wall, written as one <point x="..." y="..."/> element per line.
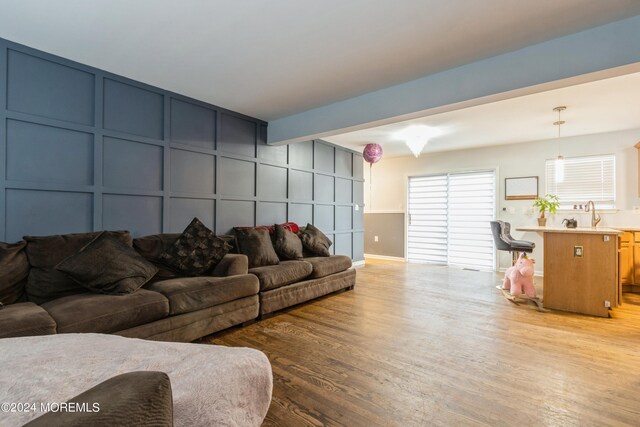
<point x="82" y="149"/>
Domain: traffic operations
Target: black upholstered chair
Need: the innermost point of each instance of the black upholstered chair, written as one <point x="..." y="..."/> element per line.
<point x="505" y="242"/>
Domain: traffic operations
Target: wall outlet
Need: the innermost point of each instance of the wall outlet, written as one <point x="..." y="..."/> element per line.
<point x="636" y="210"/>
<point x="357" y="207"/>
<point x="607" y="303"/>
<point x="375" y="238"/>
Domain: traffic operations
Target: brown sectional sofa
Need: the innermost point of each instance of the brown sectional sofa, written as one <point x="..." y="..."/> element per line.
<point x="171" y="308"/>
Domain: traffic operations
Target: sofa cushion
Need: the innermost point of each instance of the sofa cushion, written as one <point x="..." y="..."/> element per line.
<point x="314" y="241"/>
<point x="285" y="273"/>
<point x="108" y="266"/>
<point x="24" y="319"/>
<point x="196" y="251"/>
<point x="45" y="283"/>
<point x="14" y="269"/>
<point x="188" y="294"/>
<point x="141" y="398"/>
<point x="256" y="244"/>
<point x="106" y="313"/>
<point x="286" y="243"/>
<point x="325" y="266"/>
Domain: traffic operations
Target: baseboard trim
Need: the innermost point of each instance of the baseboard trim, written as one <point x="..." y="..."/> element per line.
<point x="385" y="257"/>
<point x="357" y="263"/>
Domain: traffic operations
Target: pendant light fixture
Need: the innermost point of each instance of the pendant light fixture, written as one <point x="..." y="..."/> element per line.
<point x="559" y="166"/>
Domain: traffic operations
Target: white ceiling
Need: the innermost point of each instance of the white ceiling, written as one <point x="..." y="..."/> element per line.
<point x="273" y="58"/>
<point x="601" y="106"/>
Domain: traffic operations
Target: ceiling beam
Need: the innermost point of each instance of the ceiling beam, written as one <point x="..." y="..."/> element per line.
<point x="600" y="52"/>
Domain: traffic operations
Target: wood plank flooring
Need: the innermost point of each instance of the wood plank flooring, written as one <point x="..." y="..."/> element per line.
<point x="416" y="345"/>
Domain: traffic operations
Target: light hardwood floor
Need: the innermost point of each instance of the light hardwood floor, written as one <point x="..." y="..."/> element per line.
<point x="416" y="345"/>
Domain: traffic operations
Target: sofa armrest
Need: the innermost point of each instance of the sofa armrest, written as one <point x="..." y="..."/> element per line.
<point x="231" y="265"/>
<point x="141" y="398"/>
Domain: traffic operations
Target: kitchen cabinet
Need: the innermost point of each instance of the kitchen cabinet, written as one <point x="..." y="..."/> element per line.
<point x="625" y="258"/>
<point x="629" y="260"/>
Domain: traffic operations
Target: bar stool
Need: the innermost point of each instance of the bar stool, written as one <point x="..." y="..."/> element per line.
<point x="505" y="242"/>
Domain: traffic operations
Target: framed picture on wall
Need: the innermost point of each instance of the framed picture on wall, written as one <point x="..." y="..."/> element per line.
<point x="521" y="188"/>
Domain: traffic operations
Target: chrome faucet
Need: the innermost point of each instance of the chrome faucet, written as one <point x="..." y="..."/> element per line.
<point x="595" y="218"/>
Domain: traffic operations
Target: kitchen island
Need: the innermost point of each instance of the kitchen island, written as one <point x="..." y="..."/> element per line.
<point x="580" y="269"/>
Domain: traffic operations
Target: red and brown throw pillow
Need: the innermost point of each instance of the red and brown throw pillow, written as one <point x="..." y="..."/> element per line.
<point x="108" y="266"/>
<point x="196" y="251"/>
<point x="286" y="243"/>
<point x="314" y="241"/>
<point x="255" y="243"/>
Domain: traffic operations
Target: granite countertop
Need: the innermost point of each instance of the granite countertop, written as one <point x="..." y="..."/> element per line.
<point x="580" y="230"/>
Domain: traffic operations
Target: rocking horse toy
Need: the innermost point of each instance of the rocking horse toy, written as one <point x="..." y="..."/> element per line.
<point x="517" y="285"/>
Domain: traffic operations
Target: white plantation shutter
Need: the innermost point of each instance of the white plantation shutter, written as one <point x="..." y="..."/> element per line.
<point x="449" y="219"/>
<point x="585" y="178"/>
<point x="471" y="207"/>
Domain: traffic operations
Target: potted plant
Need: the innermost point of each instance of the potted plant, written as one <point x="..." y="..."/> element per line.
<point x="547" y="203"/>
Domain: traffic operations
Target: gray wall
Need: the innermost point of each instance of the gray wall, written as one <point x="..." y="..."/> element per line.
<point x="389" y="227"/>
<point x="82" y="149"/>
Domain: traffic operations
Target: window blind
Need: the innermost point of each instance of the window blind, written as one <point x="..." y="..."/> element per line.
<point x="449" y="219"/>
<point x="585" y="178"/>
<point x="471" y="208"/>
<point x="427" y="239"/>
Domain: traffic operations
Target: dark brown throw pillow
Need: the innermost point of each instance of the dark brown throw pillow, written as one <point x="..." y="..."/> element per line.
<point x="14" y="269"/>
<point x="196" y="251"/>
<point x="255" y="243"/>
<point x="108" y="266"/>
<point x="315" y="241"/>
<point x="286" y="243"/>
<point x="45" y="283"/>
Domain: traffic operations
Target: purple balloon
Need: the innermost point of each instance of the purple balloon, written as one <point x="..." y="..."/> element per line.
<point x="372" y="153"/>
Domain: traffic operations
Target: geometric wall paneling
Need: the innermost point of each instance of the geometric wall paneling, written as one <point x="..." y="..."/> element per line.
<point x="230" y="213"/>
<point x="46" y="154"/>
<point x="358" y="192"/>
<point x="300" y="185"/>
<point x="38" y="213"/>
<point x="332" y="248"/>
<point x="193" y="125"/>
<point x="275" y="154"/>
<point x="324" y="188"/>
<point x="269" y="213"/>
<point x="342" y="243"/>
<point x="344" y="163"/>
<point x="133" y="110"/>
<point x="323" y="217"/>
<point x="237" y="177"/>
<point x="323" y="159"/>
<point x="301" y="155"/>
<point x="300" y="213"/>
<point x="183" y="210"/>
<point x="82" y="149"/>
<point x="343" y="190"/>
<point x="358" y="245"/>
<point x="358" y="166"/>
<point x="141" y="215"/>
<point x="237" y="135"/>
<point x="343" y="218"/>
<point x="272" y="182"/>
<point x="192" y="172"/>
<point x="131" y="165"/>
<point x="47" y="89"/>
<point x="358" y="219"/>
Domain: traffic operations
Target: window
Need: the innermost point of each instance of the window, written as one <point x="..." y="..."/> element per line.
<point x="449" y="219"/>
<point x="585" y="178"/>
